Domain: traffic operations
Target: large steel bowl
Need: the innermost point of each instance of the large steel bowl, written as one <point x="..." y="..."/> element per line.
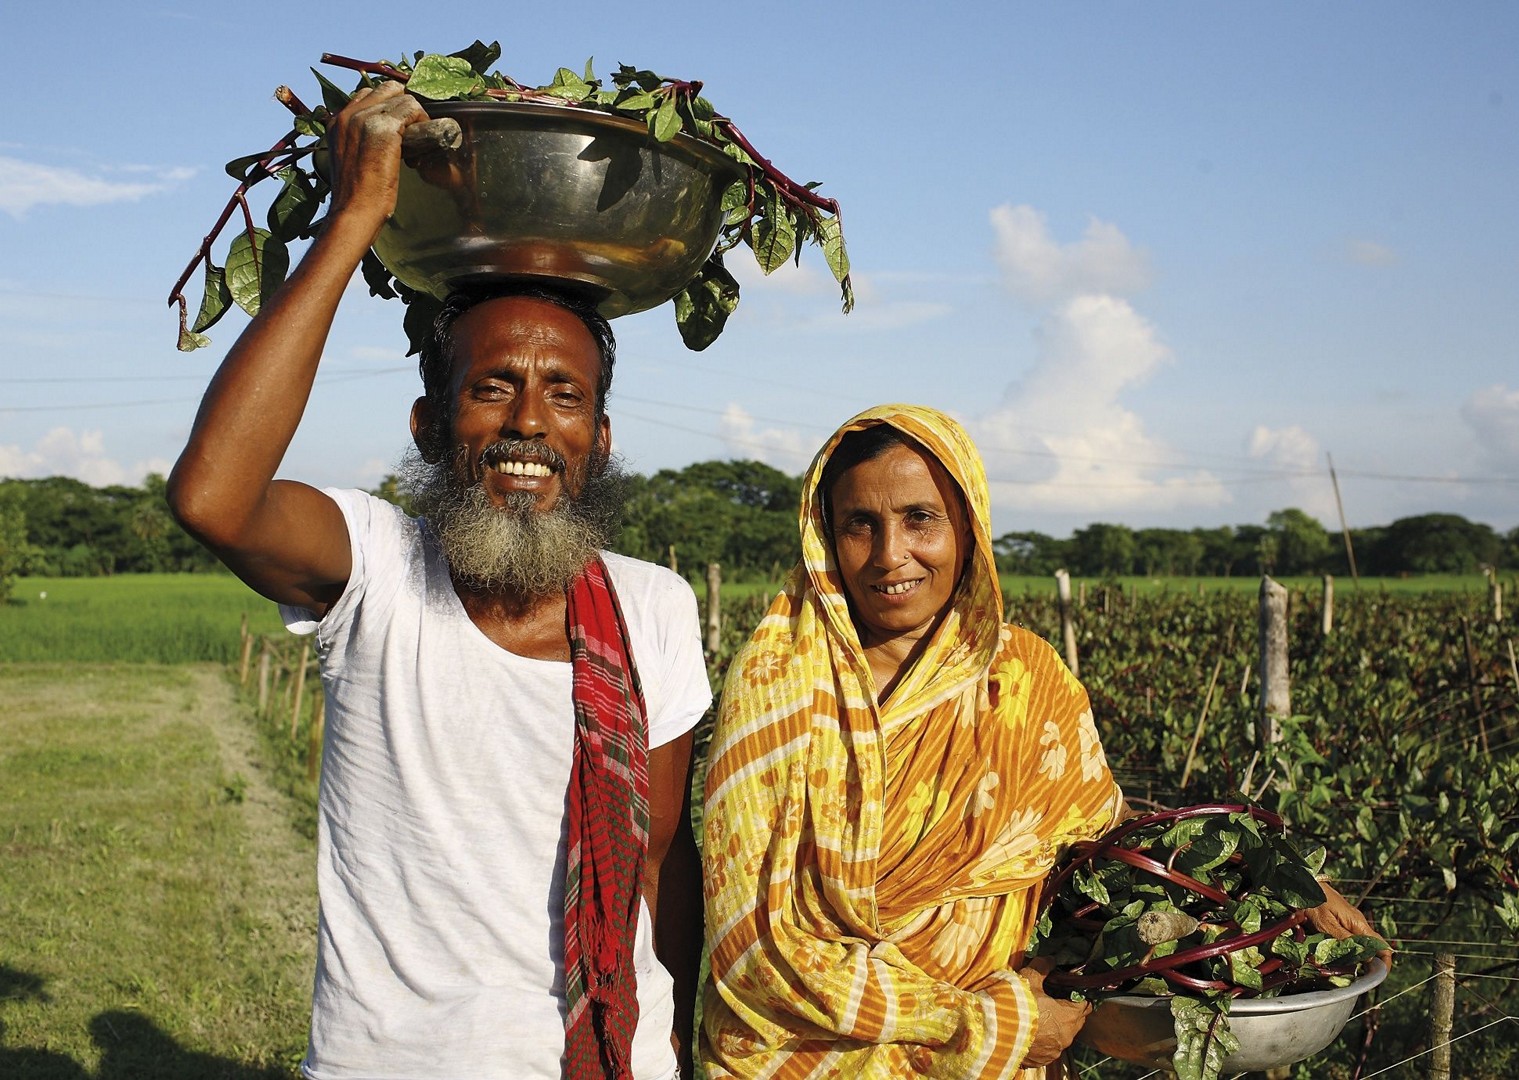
<point x="581" y="197"/>
<point x="1272" y="1032"/>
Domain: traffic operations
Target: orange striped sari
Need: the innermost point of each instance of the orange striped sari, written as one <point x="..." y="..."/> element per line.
<point x="872" y="870"/>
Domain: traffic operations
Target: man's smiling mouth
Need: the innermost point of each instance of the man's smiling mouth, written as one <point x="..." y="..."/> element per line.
<point x="522" y="468"/>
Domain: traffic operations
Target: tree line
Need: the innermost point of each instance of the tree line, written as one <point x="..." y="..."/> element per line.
<point x="743" y="515"/>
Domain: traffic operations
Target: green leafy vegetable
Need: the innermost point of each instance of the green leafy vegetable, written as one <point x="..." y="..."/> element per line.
<point x="766" y="210"/>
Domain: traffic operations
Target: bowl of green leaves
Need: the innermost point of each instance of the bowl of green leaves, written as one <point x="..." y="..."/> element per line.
<point x="1188" y="929"/>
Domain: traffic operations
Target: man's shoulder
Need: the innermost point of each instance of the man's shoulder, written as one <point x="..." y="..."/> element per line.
<point x="641" y="572"/>
<point x="648" y="590"/>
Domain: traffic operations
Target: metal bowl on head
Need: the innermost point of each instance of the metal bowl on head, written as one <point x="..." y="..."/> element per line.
<point x="583" y="198"/>
<point x="1272" y="1032"/>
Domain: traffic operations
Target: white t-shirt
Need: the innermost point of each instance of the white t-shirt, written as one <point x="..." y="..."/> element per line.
<point x="441" y="827"/>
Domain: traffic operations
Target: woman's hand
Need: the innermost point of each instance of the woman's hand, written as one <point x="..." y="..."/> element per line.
<point x="1059" y="1020"/>
<point x="1338" y="918"/>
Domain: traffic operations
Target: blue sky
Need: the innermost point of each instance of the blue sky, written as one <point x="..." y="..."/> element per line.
<point x="1161" y="259"/>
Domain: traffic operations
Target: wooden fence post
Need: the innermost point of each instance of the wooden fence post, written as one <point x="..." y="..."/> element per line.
<point x="242" y="664"/>
<point x="264" y="662"/>
<point x="1441" y="1012"/>
<point x="314" y="739"/>
<point x="1276" y="689"/>
<point x="714" y="607"/>
<point x="1495" y="594"/>
<point x="300" y="686"/>
<point x="670" y="559"/>
<point x="1328" y="626"/>
<point x="1067" y="627"/>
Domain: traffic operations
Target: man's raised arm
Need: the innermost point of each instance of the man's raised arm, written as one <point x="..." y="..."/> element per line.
<point x="287" y="540"/>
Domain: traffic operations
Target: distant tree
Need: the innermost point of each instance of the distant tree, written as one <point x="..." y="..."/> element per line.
<point x="1102" y="550"/>
<point x="1437" y="544"/>
<point x="15" y="552"/>
<point x="1029" y="553"/>
<point x="390" y="490"/>
<point x="1301" y="544"/>
<point x="1219" y="557"/>
<point x="1167" y="551"/>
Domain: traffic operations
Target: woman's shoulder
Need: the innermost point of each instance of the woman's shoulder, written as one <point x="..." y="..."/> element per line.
<point x="1021" y="643"/>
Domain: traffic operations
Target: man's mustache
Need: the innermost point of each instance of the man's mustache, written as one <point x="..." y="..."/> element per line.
<point x="521" y="450"/>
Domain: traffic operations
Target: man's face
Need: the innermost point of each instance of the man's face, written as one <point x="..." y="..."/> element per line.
<point x="523" y="394"/>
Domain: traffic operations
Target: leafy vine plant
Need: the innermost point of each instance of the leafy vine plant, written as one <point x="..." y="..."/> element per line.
<point x="766" y="210"/>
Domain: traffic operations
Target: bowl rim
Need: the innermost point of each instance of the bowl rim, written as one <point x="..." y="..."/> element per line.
<point x="591" y="116"/>
<point x="1376" y="971"/>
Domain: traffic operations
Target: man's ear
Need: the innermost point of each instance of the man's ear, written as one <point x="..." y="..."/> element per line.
<point x="424" y="430"/>
<point x="601" y="449"/>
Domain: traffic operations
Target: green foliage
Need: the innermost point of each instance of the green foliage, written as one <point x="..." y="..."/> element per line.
<point x="764" y="209"/>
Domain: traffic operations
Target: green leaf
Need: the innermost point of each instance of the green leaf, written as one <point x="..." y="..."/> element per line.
<point x="569" y="86"/>
<point x="832" y="238"/>
<point x="189" y="341"/>
<point x="479" y="56"/>
<point x="666" y="122"/>
<point x="215" y="300"/>
<point x="376" y="276"/>
<point x="1203" y="1038"/>
<point x="444" y="78"/>
<point x="246" y="169"/>
<point x="421" y="310"/>
<point x="334" y="97"/>
<point x="635" y="101"/>
<point x="703" y="306"/>
<point x="255" y="268"/>
<point x="294" y="208"/>
<point x="774" y="238"/>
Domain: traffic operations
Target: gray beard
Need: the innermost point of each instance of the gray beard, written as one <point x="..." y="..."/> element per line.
<point x="515" y="549"/>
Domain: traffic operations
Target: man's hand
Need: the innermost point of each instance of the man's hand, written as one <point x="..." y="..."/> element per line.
<point x="365" y="140"/>
<point x="1338" y="918"/>
<point x="1059" y="1020"/>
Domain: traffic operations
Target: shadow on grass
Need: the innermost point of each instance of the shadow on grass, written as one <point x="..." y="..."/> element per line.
<point x="132" y="1047"/>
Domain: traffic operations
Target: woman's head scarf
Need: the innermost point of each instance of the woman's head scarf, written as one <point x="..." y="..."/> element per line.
<point x="871" y="870"/>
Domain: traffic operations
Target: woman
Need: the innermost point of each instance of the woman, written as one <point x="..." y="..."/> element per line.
<point x="893" y="774"/>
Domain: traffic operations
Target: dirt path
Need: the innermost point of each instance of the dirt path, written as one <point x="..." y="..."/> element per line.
<point x="285" y="861"/>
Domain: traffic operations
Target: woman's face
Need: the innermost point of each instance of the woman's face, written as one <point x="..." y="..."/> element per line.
<point x="901" y="536"/>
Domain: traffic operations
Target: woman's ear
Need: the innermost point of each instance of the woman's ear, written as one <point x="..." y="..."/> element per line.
<point x="425" y="431"/>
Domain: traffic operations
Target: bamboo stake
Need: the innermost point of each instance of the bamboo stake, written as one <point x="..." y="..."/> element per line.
<point x="1328" y="625"/>
<point x="242" y="665"/>
<point x="1202" y="718"/>
<point x="314" y="739"/>
<point x="264" y="663"/>
<point x="300" y="687"/>
<point x="1344" y="528"/>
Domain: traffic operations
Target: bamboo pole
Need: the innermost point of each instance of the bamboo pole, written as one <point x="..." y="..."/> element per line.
<point x="1276" y="689"/>
<point x="264" y="663"/>
<point x="1442" y="1011"/>
<point x="1067" y="627"/>
<point x="247" y="653"/>
<point x="300" y="687"/>
<point x="1471" y="682"/>
<point x="714" y="607"/>
<point x="1328" y="623"/>
<point x="1495" y="594"/>
<point x="314" y="739"/>
<point x="1202" y="718"/>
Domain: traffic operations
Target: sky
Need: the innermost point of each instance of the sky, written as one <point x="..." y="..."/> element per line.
<point x="1165" y="262"/>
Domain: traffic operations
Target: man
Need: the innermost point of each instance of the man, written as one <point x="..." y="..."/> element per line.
<point x="507" y="878"/>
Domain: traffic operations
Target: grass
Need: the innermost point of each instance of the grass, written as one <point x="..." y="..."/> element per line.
<point x="156" y="914"/>
<point x="156" y="618"/>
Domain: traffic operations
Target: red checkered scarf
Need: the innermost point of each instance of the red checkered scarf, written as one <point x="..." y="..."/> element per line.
<point x="608" y="834"/>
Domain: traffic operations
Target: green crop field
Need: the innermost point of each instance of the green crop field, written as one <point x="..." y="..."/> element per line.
<point x="157" y="913"/>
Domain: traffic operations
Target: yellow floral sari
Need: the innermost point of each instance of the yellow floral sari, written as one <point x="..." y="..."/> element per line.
<point x="872" y="871"/>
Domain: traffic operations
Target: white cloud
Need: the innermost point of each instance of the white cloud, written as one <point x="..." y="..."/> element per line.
<point x="82" y="455"/>
<point x="1294" y="450"/>
<point x="1369" y="253"/>
<point x="26" y="184"/>
<point x="1062" y="439"/>
<point x="1492" y="414"/>
<point x="1039" y="271"/>
<point x="786" y="449"/>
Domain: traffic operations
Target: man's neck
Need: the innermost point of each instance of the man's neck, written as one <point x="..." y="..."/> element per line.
<point x="529" y="626"/>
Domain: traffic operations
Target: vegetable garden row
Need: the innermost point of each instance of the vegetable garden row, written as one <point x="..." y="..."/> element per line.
<point x="1398" y="756"/>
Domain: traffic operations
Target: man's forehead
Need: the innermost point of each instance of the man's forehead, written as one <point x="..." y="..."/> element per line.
<point x="519" y="329"/>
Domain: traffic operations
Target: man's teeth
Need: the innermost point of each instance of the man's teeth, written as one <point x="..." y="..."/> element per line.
<point x="898" y="589"/>
<point x="523" y="468"/>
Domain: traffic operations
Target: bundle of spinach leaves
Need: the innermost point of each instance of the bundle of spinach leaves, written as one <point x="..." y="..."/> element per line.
<point x="1202" y="904"/>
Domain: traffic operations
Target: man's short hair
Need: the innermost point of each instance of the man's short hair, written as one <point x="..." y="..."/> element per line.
<point x="436" y="360"/>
